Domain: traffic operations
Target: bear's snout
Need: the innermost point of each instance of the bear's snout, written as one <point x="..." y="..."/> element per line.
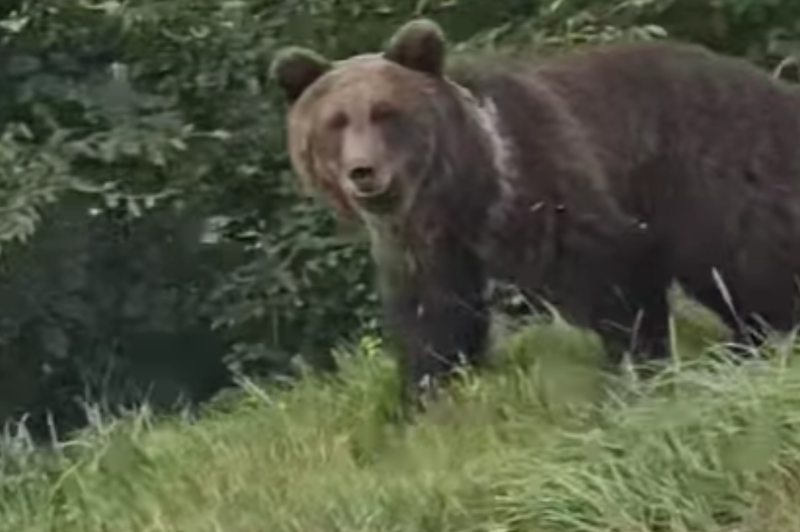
<point x="365" y="181"/>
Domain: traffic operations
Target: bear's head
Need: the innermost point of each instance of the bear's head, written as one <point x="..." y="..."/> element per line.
<point x="368" y="130"/>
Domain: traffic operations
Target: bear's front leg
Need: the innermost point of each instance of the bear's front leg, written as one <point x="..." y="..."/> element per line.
<point x="436" y="311"/>
<point x="636" y="322"/>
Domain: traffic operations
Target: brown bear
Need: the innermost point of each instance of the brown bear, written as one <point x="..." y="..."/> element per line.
<point x="593" y="180"/>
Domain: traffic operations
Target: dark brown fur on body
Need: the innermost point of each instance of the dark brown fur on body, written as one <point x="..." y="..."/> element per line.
<point x="626" y="167"/>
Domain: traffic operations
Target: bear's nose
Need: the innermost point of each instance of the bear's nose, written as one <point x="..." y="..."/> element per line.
<point x="361" y="175"/>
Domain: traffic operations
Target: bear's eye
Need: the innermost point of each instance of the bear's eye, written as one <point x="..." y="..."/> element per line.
<point x="337" y="121"/>
<point x="382" y="111"/>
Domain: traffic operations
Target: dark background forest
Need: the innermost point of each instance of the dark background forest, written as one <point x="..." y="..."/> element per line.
<point x="153" y="242"/>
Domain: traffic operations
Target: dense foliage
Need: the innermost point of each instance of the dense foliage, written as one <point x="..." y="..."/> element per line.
<point x="152" y="237"/>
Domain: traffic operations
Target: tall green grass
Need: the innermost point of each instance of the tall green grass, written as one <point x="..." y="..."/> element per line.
<point x="543" y="441"/>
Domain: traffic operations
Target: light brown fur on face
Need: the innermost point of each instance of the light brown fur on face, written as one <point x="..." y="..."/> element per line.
<point x="342" y="132"/>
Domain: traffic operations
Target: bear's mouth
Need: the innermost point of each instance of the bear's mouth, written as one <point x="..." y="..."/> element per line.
<point x="369" y="190"/>
<point x="365" y="185"/>
<point x="364" y="182"/>
<point x="365" y="191"/>
<point x="375" y="196"/>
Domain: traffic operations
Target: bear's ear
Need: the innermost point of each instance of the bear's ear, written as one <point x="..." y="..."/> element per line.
<point x="295" y="68"/>
<point x="418" y="45"/>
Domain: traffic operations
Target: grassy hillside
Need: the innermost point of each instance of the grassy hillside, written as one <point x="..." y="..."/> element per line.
<point x="543" y="442"/>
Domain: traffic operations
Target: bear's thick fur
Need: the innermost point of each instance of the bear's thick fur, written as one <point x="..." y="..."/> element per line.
<point x="594" y="180"/>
